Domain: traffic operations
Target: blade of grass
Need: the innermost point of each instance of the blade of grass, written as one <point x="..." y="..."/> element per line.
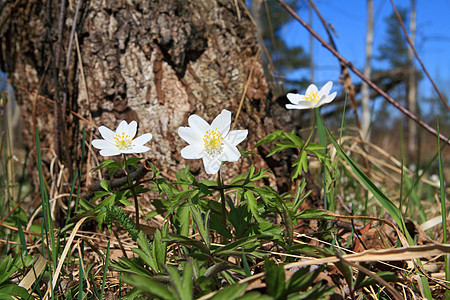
<point x="48" y="224"/>
<point x="105" y="270"/>
<point x="393" y="210"/>
<point x="379" y="195"/>
<point x="444" y="214"/>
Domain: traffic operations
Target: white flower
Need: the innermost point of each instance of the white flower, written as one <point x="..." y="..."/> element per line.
<point x="313" y="97"/>
<point x="121" y="141"/>
<point x="213" y="143"/>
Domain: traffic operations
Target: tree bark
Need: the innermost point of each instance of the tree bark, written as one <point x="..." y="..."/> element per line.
<point x="412" y="86"/>
<point x="156" y="62"/>
<point x="365" y="111"/>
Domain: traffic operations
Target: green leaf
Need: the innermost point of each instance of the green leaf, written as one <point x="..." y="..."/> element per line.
<point x="181" y="219"/>
<point x="230" y="292"/>
<point x="133" y="161"/>
<point x="255" y="295"/>
<point x="245" y="264"/>
<point x="149" y="286"/>
<point x="303" y="279"/>
<point x="174" y="238"/>
<point x="235" y="244"/>
<point x="145" y="253"/>
<point x="252" y="205"/>
<point x="159" y="248"/>
<point x="175" y="279"/>
<point x="312" y="213"/>
<point x="8" y="266"/>
<point x="270" y="138"/>
<point x="203" y="226"/>
<point x="274" y="278"/>
<point x="104" y="184"/>
<point x="108" y="164"/>
<point x="288" y="223"/>
<point x="387" y="276"/>
<point x="8" y="290"/>
<point x="186" y="285"/>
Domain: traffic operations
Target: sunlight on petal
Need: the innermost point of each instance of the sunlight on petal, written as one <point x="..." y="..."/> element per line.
<point x="234" y="137"/>
<point x="222" y="122"/>
<point x="212" y="164"/>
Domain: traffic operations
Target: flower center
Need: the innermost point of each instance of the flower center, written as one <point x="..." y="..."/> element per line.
<point x="312" y="97"/>
<point x="213" y="142"/>
<point x="123" y="141"/>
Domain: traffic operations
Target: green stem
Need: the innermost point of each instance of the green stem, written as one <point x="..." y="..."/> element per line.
<point x="310" y="134"/>
<point x="136" y="204"/>
<point x="222" y="195"/>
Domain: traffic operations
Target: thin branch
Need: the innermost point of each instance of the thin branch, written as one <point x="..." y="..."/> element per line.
<point x="364" y="78"/>
<point x="417" y="56"/>
<point x="344" y="70"/>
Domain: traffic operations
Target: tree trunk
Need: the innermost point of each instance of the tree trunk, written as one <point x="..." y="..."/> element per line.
<point x="156" y="62"/>
<point x="365" y="124"/>
<point x="412" y="86"/>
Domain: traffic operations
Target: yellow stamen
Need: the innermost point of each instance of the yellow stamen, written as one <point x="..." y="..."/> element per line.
<point x="123" y="141"/>
<point x="312" y="97"/>
<point x="213" y="142"/>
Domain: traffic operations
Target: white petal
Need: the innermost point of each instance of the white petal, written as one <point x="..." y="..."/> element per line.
<point x="234" y="137"/>
<point x="295" y="98"/>
<point x="194" y="151"/>
<point x="131" y="129"/>
<point x="190" y="135"/>
<point x="222" y="122"/>
<point x="325" y="90"/>
<point x="301" y="105"/>
<point x="136" y="149"/>
<point x="311" y="88"/>
<point x="122" y="128"/>
<point x="109" y="152"/>
<point x="107" y="133"/>
<point x="102" y="144"/>
<point x="198" y="124"/>
<point x="326" y="99"/>
<point x="141" y="140"/>
<point x="212" y="164"/>
<point x="230" y="153"/>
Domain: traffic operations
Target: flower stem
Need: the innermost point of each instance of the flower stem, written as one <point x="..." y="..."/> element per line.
<point x="309" y="137"/>
<point x="222" y="196"/>
<point x="136" y="204"/>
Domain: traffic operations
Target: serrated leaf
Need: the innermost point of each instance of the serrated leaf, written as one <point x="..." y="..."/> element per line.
<point x="253" y="205"/>
<point x="203" y="226"/>
<point x="104" y="184"/>
<point x="159" y="248"/>
<point x="270" y="138"/>
<point x="181" y="219"/>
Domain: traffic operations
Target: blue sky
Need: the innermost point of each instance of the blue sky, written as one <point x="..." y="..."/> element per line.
<point x="348" y="18"/>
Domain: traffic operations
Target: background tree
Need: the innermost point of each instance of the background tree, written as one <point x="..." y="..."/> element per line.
<point x="270" y="17"/>
<point x="412" y="83"/>
<point x="396" y="52"/>
<point x="365" y="115"/>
